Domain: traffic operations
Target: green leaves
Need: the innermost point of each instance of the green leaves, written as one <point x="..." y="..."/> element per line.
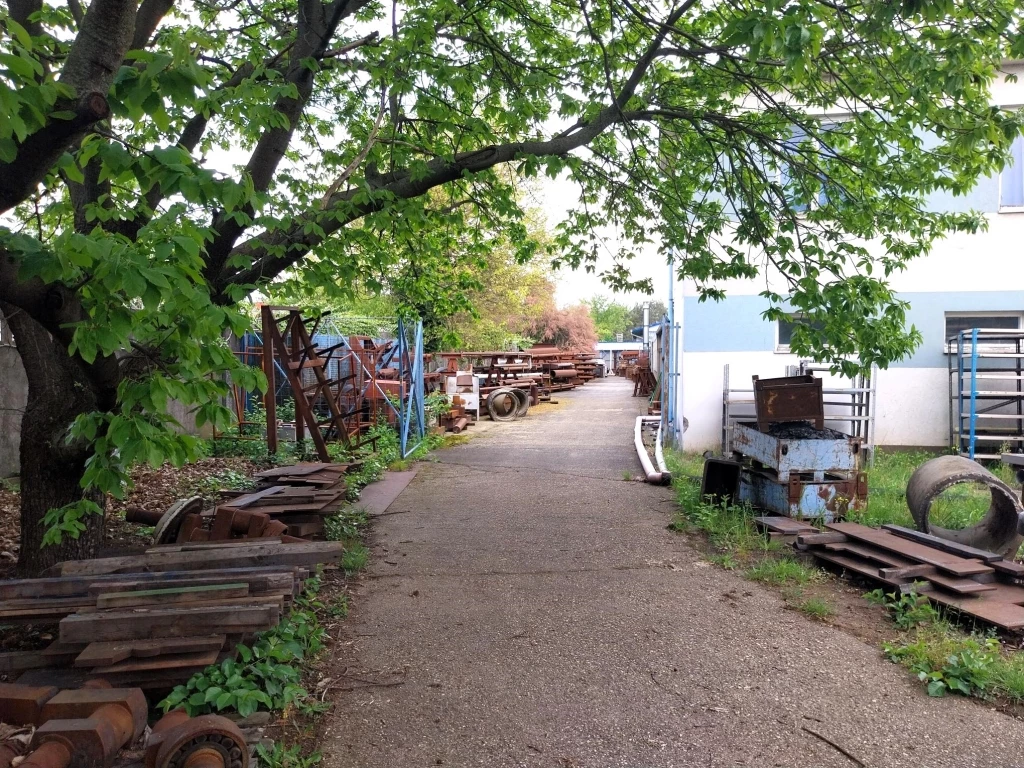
<point x="265" y="675"/>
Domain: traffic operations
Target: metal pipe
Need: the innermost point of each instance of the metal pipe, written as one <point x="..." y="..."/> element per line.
<point x="142" y="516"/>
<point x="651" y="474"/>
<point x="659" y="455"/>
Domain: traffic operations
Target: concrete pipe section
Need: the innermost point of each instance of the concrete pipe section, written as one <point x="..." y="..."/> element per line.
<point x="998" y="531"/>
<point x="503" y="404"/>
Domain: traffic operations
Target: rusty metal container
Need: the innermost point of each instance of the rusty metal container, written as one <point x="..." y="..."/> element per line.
<point x="805" y="496"/>
<point x="789" y="398"/>
<point x="788" y="455"/>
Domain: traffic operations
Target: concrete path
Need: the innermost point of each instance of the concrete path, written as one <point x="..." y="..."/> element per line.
<point x="527" y="607"/>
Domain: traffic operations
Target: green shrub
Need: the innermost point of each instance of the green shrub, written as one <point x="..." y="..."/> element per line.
<point x="907" y="610"/>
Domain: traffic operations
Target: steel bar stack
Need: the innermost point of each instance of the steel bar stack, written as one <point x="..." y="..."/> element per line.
<point x="975" y="582"/>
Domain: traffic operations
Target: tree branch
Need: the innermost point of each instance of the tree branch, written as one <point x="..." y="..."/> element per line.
<point x="95" y="56"/>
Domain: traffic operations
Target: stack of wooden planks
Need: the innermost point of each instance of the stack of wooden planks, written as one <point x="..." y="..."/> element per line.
<point x="152" y="620"/>
<point x="299" y="496"/>
<point x="975" y="582"/>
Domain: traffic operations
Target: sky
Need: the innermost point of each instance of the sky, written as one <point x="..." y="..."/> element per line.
<point x="554" y="198"/>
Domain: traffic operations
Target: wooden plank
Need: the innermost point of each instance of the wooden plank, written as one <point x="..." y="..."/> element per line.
<point x="272" y="581"/>
<point x="961" y="550"/>
<point x="280" y="601"/>
<point x="871" y="554"/>
<point x="1009" y="568"/>
<point x="854" y="565"/>
<point x="786" y="525"/>
<point x="172" y="595"/>
<point x="911" y="550"/>
<point x="1005" y="615"/>
<point x="296" y="469"/>
<point x="104" y="654"/>
<point x="159" y="663"/>
<point x="829" y="537"/>
<point x="907" y="572"/>
<point x="205" y="546"/>
<point x="241" y="502"/>
<point x="166" y="622"/>
<point x="304" y="554"/>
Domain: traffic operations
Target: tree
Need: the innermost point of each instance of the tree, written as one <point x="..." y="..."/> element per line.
<point x="658" y="310"/>
<point x="133" y="234"/>
<point x="571" y="329"/>
<point x="610" y="318"/>
<point x="508" y="302"/>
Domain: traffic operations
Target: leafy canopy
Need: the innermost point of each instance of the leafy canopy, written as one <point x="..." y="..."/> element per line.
<point x="219" y="145"/>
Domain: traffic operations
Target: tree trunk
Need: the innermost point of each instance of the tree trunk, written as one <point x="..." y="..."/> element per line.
<point x="51" y="468"/>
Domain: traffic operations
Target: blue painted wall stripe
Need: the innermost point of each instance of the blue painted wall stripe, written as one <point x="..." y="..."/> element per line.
<point x="736" y="325"/>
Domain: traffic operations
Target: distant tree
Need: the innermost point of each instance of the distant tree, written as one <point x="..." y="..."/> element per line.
<point x="636" y="314"/>
<point x="571" y="329"/>
<point x="610" y="318"/>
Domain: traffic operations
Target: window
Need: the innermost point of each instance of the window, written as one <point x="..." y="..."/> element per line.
<point x="784" y="330"/>
<point x="1011" y="180"/>
<point x="818" y="152"/>
<point x="965" y="321"/>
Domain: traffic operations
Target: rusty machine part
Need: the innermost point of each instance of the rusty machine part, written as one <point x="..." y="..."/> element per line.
<point x="86" y="728"/>
<point x="167" y="525"/>
<point x="998" y="531"/>
<point x="503" y="404"/>
<point x="209" y="741"/>
<point x="789" y="398"/>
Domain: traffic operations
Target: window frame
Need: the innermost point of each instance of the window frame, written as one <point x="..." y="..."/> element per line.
<point x="1000" y="208"/>
<point x="954" y="313"/>
<point x="780" y="348"/>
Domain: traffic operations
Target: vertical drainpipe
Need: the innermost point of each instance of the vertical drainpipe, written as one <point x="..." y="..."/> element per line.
<point x="670" y="346"/>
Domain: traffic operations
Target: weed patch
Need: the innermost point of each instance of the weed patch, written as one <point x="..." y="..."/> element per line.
<point x="906" y="610"/>
<point x="817" y="608"/>
<point x="280" y="756"/>
<point x="947" y="661"/>
<point x="781" y="572"/>
<point x="266" y="675"/>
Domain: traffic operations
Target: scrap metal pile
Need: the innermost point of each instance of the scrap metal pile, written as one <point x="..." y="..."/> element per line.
<point x="972" y="570"/>
<point x="976" y="582"/>
<point x="289" y="503"/>
<point x="342" y="386"/>
<point x="787" y="461"/>
<point x="505" y="384"/>
<point x="86" y="728"/>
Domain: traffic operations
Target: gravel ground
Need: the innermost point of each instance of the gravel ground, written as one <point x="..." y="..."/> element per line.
<point x="526" y="606"/>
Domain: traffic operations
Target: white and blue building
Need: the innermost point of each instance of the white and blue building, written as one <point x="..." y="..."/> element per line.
<point x="966" y="281"/>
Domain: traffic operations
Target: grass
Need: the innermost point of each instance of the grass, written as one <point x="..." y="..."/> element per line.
<point x="958" y="507"/>
<point x="354" y="558"/>
<point x="782" y="571"/>
<point x="816" y="608"/>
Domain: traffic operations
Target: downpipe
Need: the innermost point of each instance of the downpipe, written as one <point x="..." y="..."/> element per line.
<point x="653" y="476"/>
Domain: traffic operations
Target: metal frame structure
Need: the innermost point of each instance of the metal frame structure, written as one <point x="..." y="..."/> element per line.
<point x="410" y="366"/>
<point x="993" y="418"/>
<point x="339" y="384"/>
<point x="738" y="404"/>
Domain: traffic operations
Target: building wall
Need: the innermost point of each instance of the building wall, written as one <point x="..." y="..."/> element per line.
<point x="964" y="273"/>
